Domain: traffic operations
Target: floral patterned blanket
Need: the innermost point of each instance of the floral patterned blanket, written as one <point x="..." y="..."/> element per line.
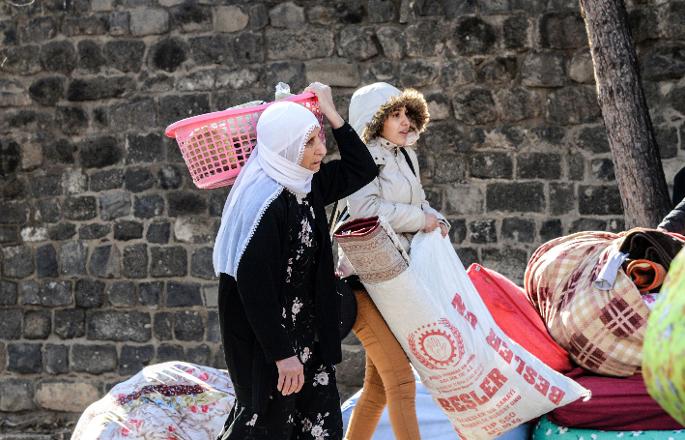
<point x="169" y="401"/>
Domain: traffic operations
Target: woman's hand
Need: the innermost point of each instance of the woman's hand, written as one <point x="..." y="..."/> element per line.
<point x="430" y="222"/>
<point x="290" y="375"/>
<point x="444" y="230"/>
<point x="325" y="96"/>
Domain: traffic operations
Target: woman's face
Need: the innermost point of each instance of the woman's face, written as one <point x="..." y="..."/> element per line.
<point x="397" y="126"/>
<point x="314" y="151"/>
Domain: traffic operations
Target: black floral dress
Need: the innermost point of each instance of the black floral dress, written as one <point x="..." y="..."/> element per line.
<point x="314" y="412"/>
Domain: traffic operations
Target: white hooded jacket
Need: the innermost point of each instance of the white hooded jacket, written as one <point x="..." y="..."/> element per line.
<point x="396" y="194"/>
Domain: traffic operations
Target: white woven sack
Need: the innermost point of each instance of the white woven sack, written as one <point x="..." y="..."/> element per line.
<point x="484" y="382"/>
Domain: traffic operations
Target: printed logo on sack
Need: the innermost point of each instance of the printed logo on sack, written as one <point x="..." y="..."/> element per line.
<point x="437" y="345"/>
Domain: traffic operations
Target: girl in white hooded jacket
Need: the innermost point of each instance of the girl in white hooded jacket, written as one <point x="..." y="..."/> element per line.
<point x="388" y="120"/>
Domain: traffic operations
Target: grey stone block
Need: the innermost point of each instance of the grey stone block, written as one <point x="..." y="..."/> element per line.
<point x="90" y="55"/>
<point x="61" y="231"/>
<point x="99" y="88"/>
<point x="17" y="261"/>
<point x="134" y="358"/>
<point x="602" y="169"/>
<point x="93" y="359"/>
<point x="213" y="328"/>
<point x="47" y="90"/>
<point x="473" y="36"/>
<point x="188" y="326"/>
<point x="550" y="229"/>
<point x="135" y="113"/>
<point x="148" y="206"/>
<point x="545" y="69"/>
<point x="538" y="166"/>
<point x="24" y="358"/>
<point x="80" y="208"/>
<point x="118" y="326"/>
<point x="16" y="395"/>
<point x="563" y="30"/>
<point x="491" y="165"/>
<point x="105" y="261"/>
<point x="72" y="258"/>
<point x="474" y="107"/>
<point x="562" y="198"/>
<point x="10" y="324"/>
<point x="663" y="63"/>
<point x="70" y="323"/>
<point x="144" y="148"/>
<point x="51" y="294"/>
<point x="510" y="262"/>
<point x="168" y="261"/>
<point x="163" y="326"/>
<point x="150" y="293"/>
<point x="174" y="108"/>
<point x="125" y="230"/>
<point x="158" y="233"/>
<point x="37" y="324"/>
<point x="135" y="261"/>
<point x="56" y="359"/>
<point x="587" y="224"/>
<point x="518" y="229"/>
<point x="200" y="354"/>
<point x="572" y="105"/>
<point x="138" y="179"/>
<point x="89" y="293"/>
<point x="170" y="177"/>
<point x="106" y="179"/>
<point x="515" y="197"/>
<point x="94" y="231"/>
<point x="201" y="265"/>
<point x="124" y="55"/>
<point x="48" y="210"/>
<point x="599" y="200"/>
<point x="85" y="25"/>
<point x="169" y="352"/>
<point x="100" y="152"/>
<point x="8" y="293"/>
<point x="58" y="56"/>
<point x="72" y="120"/>
<point x="483" y="231"/>
<point x="183" y="294"/>
<point x="122" y="294"/>
<point x="299" y="44"/>
<point x="114" y="204"/>
<point x="593" y="139"/>
<point x="46" y="185"/>
<point x="145" y="21"/>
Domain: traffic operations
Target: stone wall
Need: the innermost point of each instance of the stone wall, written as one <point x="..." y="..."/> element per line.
<point x="106" y="244"/>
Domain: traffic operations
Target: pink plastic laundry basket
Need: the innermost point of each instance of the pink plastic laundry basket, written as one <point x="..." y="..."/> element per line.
<point x="216" y="145"/>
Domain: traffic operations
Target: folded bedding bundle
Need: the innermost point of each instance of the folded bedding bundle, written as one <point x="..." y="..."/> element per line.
<point x="601" y="326"/>
<point x="617" y="404"/>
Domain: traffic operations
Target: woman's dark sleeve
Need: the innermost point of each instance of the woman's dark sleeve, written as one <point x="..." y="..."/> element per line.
<point x="675" y="220"/>
<point x="340" y="178"/>
<point x="259" y="280"/>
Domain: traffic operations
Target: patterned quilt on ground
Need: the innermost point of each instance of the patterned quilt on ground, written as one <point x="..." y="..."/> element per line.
<point x="169" y="401"/>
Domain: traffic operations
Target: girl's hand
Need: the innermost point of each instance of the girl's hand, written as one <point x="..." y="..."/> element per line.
<point x="430" y="223"/>
<point x="443" y="230"/>
<point x="325" y="96"/>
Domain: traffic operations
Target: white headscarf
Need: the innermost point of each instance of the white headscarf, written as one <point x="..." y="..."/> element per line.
<point x="282" y="132"/>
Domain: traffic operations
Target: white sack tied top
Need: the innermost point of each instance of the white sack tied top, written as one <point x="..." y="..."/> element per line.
<point x="282" y="132"/>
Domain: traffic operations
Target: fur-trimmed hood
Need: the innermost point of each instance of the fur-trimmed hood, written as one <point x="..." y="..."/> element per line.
<point x="371" y="104"/>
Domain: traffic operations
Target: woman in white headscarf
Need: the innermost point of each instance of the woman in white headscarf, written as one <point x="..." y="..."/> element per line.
<point x="389" y="121"/>
<point x="278" y="308"/>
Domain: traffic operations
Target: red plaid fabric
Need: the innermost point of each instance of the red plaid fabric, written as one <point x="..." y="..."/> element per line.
<point x="602" y="330"/>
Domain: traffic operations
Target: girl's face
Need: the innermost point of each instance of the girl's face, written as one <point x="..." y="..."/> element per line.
<point x="396" y="127"/>
<point x="314" y="151"/>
